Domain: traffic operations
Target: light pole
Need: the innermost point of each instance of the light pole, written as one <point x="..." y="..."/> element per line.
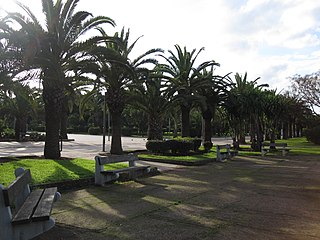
<point x="109" y="128"/>
<point x="104" y="124"/>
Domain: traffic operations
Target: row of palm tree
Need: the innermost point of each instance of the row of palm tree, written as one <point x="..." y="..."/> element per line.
<point x="70" y="66"/>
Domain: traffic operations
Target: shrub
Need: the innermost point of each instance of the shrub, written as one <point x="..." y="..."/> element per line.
<point x="35" y="136"/>
<point x="207" y="145"/>
<point x="157" y="146"/>
<point x="39" y="128"/>
<point x="313" y="135"/>
<point x="8" y="133"/>
<point x="177" y="146"/>
<point x="94" y="130"/>
<point x="196" y="144"/>
<point x="180" y="146"/>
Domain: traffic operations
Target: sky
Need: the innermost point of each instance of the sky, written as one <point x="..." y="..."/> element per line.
<point x="270" y="39"/>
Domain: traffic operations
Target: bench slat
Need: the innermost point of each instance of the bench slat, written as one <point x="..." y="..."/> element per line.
<point x="128" y="169"/>
<point x="44" y="207"/>
<point x="224" y="146"/>
<point x="25" y="212"/>
<point x="114" y="158"/>
<point x="16" y="187"/>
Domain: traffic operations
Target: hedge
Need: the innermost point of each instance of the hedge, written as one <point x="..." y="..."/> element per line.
<point x="180" y="146"/>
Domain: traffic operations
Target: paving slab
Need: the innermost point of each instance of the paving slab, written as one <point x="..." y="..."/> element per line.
<point x="246" y="198"/>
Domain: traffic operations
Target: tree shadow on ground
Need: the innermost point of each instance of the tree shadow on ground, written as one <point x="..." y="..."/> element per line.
<point x="246" y="198"/>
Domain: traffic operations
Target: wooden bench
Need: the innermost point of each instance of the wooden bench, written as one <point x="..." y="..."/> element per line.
<point x="103" y="176"/>
<point x="25" y="214"/>
<point x="269" y="147"/>
<point x="224" y="152"/>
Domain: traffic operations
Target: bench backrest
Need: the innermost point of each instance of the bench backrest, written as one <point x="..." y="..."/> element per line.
<point x="275" y="145"/>
<point x="16" y="193"/>
<point x="102" y="160"/>
<point x="226" y="146"/>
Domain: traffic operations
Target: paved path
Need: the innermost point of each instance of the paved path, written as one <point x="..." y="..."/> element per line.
<point x="84" y="146"/>
<point x="246" y="198"/>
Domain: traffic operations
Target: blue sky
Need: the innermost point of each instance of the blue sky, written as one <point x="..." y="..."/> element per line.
<point x="271" y="39"/>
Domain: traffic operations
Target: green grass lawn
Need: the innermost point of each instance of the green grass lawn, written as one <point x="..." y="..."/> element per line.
<point x="193" y="158"/>
<point x="49" y="171"/>
<point x="300" y="146"/>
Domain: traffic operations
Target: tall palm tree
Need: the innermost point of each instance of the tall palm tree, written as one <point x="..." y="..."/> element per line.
<point x="245" y="107"/>
<point x="214" y="95"/>
<point x="116" y="74"/>
<point x="20" y="103"/>
<point x="49" y="48"/>
<point x="151" y="97"/>
<point x="182" y="74"/>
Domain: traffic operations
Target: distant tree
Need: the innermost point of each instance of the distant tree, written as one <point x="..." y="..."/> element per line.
<point x="245" y="107"/>
<point x="150" y="96"/>
<point x="117" y="74"/>
<point x="307" y="88"/>
<point x="214" y="94"/>
<point x="183" y="81"/>
<point x="20" y="102"/>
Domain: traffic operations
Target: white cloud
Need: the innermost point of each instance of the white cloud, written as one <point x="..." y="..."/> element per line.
<point x="271" y="39"/>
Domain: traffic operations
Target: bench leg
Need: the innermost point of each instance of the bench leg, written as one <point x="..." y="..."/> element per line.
<point x="284" y="152"/>
<point x="263" y="153"/>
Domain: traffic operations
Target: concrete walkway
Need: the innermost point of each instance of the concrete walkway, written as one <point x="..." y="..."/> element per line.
<point x="246" y="198"/>
<point x="84" y="146"/>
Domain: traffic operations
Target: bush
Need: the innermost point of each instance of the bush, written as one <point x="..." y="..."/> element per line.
<point x="177" y="146"/>
<point x="8" y="133"/>
<point x="196" y="144"/>
<point x="35" y="136"/>
<point x="180" y="146"/>
<point x="313" y="135"/>
<point x="39" y="128"/>
<point x="157" y="146"/>
<point x="94" y="130"/>
<point x="207" y="146"/>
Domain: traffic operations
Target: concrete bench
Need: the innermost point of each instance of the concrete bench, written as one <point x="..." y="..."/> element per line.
<point x="25" y="214"/>
<point x="103" y="176"/>
<point x="224" y="152"/>
<point x="269" y="147"/>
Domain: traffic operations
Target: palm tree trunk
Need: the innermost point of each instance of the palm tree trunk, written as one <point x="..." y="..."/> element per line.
<point x="20" y="127"/>
<point x="116" y="145"/>
<point x="207" y="117"/>
<point x="53" y="99"/>
<point x="290" y="129"/>
<point x="154" y="127"/>
<point x="285" y="130"/>
<point x="64" y="120"/>
<point x="185" y="120"/>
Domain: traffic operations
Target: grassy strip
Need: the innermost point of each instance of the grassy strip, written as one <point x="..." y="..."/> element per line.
<point x="193" y="158"/>
<point x="298" y="146"/>
<point x="50" y="171"/>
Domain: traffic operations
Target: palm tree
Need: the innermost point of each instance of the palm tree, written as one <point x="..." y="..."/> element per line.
<point x="49" y="48"/>
<point x="151" y="97"/>
<point x="182" y="74"/>
<point x="117" y="74"/>
<point x="245" y="107"/>
<point x="214" y="95"/>
<point x="20" y="103"/>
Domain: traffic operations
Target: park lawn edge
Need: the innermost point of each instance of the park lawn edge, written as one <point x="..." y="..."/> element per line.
<point x="45" y="171"/>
